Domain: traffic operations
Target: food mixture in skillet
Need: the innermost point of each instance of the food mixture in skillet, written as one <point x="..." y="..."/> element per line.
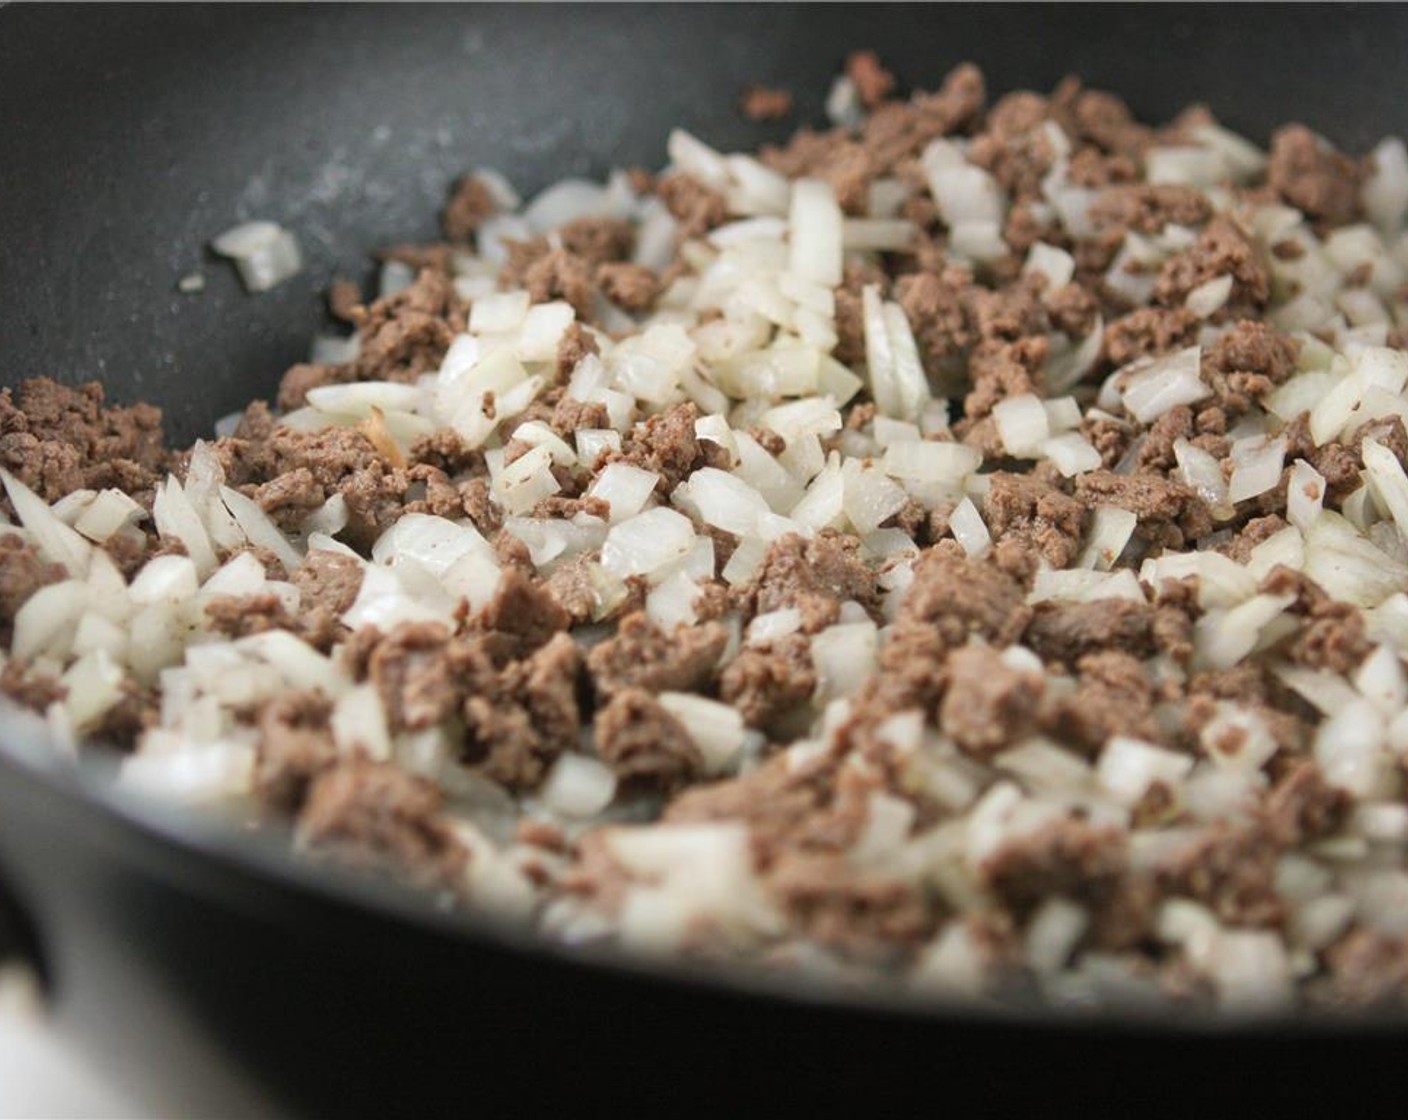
<point x="963" y="547"/>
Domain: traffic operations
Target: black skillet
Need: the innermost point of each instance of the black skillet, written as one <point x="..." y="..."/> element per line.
<point x="230" y="982"/>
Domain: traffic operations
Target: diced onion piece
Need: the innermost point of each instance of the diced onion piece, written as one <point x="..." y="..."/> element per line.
<point x="647" y="542"/>
<point x="359" y="722"/>
<point x="1057" y="265"/>
<point x="499" y="312"/>
<point x="690" y="154"/>
<point x="1067" y="368"/>
<point x="527" y="481"/>
<point x="1022" y="424"/>
<point x="1204" y="474"/>
<point x="816" y="231"/>
<point x="1196" y="167"/>
<point x="1110" y="530"/>
<point x="1223" y="638"/>
<point x="717" y="729"/>
<point x="593" y="443"/>
<point x="969" y="529"/>
<point x="435" y="543"/>
<point x="962" y="192"/>
<point x="109" y="512"/>
<point x="55" y="540"/>
<point x="930" y="461"/>
<point x="175" y="517"/>
<point x="888" y="235"/>
<point x="1385" y="192"/>
<point x="537" y="433"/>
<point x="1128" y="767"/>
<point x="1209" y="297"/>
<point x="1071" y="453"/>
<point x="823" y="505"/>
<point x="870" y="498"/>
<point x="625" y="487"/>
<point x="1153" y="387"/>
<point x="1256" y="467"/>
<point x="843" y="656"/>
<point x="578" y="786"/>
<point x="264" y="252"/>
<point x="1388" y="481"/>
<point x="542" y="330"/>
<point x="260" y="530"/>
<point x="563" y="202"/>
<point x="724" y="500"/>
<point x="649" y="365"/>
<point x="199" y="772"/>
<point x="360" y="397"/>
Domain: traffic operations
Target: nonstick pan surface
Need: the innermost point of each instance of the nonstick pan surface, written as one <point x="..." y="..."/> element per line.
<point x="184" y="954"/>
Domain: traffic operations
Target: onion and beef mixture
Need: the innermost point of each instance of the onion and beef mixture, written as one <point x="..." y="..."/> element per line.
<point x="960" y="547"/>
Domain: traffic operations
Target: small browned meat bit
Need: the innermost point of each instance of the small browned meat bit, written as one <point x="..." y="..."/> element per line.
<point x="1147" y="208"/>
<point x="295" y="745"/>
<point x="422" y="673"/>
<point x="873" y="82"/>
<point x="1038" y="515"/>
<point x="646" y="745"/>
<point x="470" y="203"/>
<point x="1232" y="871"/>
<point x="1065" y="859"/>
<point x="1066" y="632"/>
<point x="1149" y="333"/>
<point x="1113" y="696"/>
<point x="859" y="913"/>
<point x="1222" y="249"/>
<point x="696" y="207"/>
<point x="561" y="275"/>
<point x="1170" y="513"/>
<point x="344" y="297"/>
<point x="645" y="656"/>
<point x="770" y="681"/>
<point x="631" y="286"/>
<point x="1311" y="176"/>
<point x="373" y="816"/>
<point x="766" y="103"/>
<point x="988" y="703"/>
<point x="57" y="440"/>
<point x="815" y="576"/>
<point x="1304" y="806"/>
<point x="517" y="724"/>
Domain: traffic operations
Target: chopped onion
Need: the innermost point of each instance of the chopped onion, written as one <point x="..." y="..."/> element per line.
<point x="817" y="231"/>
<point x="1209" y="297"/>
<point x="1256" y="467"/>
<point x="1071" y="453"/>
<point x="578" y="786"/>
<point x="625" y="487"/>
<point x="53" y="538"/>
<point x="930" y="461"/>
<point x="717" y="729"/>
<point x="1022" y="424"/>
<point x="1057" y="265"/>
<point x="1151" y="387"/>
<point x="647" y="542"/>
<point x="723" y="500"/>
<point x="1385" y="192"/>
<point x="1110" y="530"/>
<point x="264" y="252"/>
<point x="261" y="531"/>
